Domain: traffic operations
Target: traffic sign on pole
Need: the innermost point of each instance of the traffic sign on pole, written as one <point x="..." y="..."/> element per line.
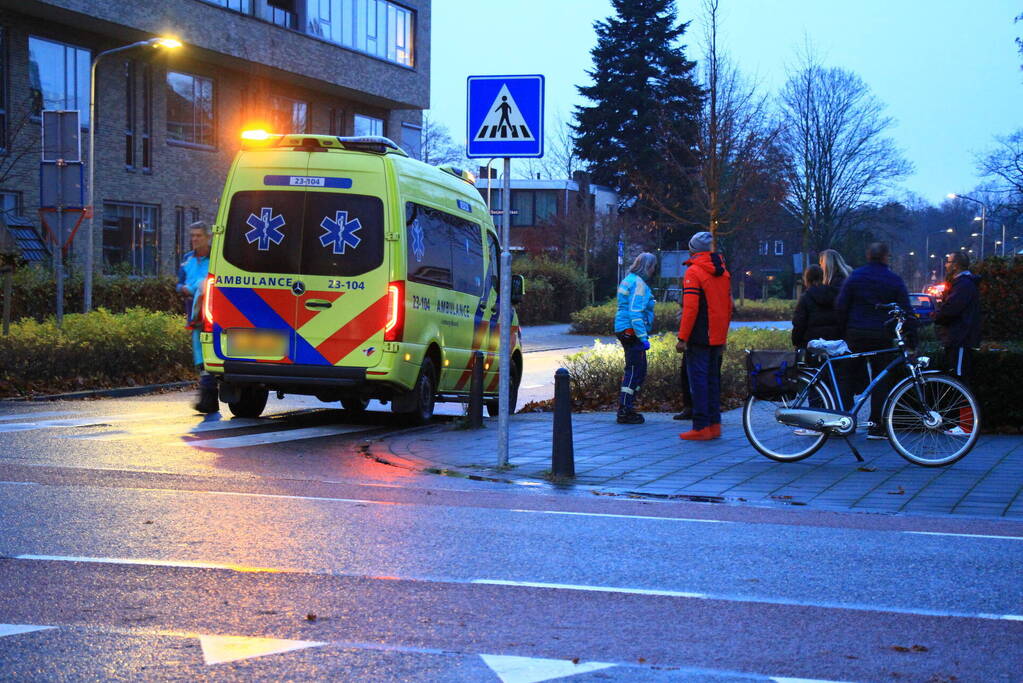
<point x="505" y="116"/>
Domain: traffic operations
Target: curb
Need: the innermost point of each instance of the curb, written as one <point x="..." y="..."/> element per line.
<point x="119" y="392"/>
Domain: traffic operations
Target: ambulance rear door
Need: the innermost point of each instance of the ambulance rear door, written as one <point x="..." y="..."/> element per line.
<point x="344" y="266"/>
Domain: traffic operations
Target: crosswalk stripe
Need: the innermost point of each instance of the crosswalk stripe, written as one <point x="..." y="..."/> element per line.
<point x="20" y="417"/>
<point x="274" y="437"/>
<point x="174" y="429"/>
<point x="75" y="422"/>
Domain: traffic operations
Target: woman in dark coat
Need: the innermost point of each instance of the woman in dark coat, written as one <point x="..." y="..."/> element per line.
<point x="815" y="316"/>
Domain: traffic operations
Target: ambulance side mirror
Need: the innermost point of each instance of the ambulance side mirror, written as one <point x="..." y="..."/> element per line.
<point x="518" y="288"/>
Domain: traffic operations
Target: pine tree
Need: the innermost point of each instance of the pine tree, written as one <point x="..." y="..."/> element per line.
<point x="645" y="112"/>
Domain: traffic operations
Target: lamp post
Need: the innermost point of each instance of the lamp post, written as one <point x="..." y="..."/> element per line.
<point x="927" y="246"/>
<point x="983" y="217"/>
<point x="168" y="43"/>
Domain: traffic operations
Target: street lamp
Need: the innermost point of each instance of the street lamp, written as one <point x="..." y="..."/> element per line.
<point x="159" y="42"/>
<point x="983" y="217"/>
<point x="927" y="245"/>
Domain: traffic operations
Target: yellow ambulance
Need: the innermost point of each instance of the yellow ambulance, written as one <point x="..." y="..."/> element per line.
<point x="343" y="269"/>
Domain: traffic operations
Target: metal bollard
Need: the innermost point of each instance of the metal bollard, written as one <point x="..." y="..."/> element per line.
<point x="476" y="392"/>
<point x="562" y="448"/>
<point x="7" y="272"/>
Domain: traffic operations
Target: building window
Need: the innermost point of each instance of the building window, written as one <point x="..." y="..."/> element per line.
<point x="412" y="140"/>
<point x="58" y="77"/>
<point x="288" y="115"/>
<point x="368" y="125"/>
<point x="190" y="109"/>
<point x="10" y="204"/>
<point x="377" y="27"/>
<point x="129" y="114"/>
<point x="779" y="248"/>
<point x="147" y="118"/>
<point x="337" y="122"/>
<point x="764" y="248"/>
<point x="244" y="6"/>
<point x="131" y="238"/>
<point x="522" y="208"/>
<point x="546" y="205"/>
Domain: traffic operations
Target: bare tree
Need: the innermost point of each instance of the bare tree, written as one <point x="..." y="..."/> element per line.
<point x="559" y="160"/>
<point x="838" y="158"/>
<point x="1004" y="164"/>
<point x="438" y="147"/>
<point x="23" y="140"/>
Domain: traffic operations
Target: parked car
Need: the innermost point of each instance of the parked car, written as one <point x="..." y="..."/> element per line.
<point x="923" y="305"/>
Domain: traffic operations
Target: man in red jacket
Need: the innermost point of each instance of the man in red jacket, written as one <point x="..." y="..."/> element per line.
<point x="702" y="333"/>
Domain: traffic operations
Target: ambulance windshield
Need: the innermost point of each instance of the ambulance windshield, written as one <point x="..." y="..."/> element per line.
<point x="305" y="233"/>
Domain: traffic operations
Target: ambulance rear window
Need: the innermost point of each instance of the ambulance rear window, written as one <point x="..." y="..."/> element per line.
<point x="305" y="233"/>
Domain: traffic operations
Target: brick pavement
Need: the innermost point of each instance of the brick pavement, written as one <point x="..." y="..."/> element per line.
<point x="650" y="460"/>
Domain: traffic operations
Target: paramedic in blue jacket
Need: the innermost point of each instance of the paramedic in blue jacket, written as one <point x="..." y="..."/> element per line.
<point x="191" y="276"/>
<point x="633" y="323"/>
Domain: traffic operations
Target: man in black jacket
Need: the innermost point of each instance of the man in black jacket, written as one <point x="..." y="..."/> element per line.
<point x="864" y="327"/>
<point x="957" y="319"/>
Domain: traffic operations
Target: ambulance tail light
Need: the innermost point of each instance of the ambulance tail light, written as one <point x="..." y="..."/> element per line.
<point x="207" y="304"/>
<point x="394" y="328"/>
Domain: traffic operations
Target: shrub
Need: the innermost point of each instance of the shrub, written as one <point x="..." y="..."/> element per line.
<point x="94" y="350"/>
<point x="597" y="372"/>
<point x="34" y="292"/>
<point x="1001" y="297"/>
<point x="544" y="278"/>
<point x="599" y="320"/>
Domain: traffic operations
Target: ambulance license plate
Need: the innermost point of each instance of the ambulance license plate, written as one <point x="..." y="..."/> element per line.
<point x="250" y="343"/>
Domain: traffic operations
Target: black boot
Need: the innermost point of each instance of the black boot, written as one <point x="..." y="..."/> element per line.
<point x="629" y="417"/>
<point x="686" y="414"/>
<point x="208" y="399"/>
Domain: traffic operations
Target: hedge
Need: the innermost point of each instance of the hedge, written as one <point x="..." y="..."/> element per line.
<point x="1001" y="297"/>
<point x="553" y="291"/>
<point x="599" y="320"/>
<point x="96" y="350"/>
<point x="597" y="374"/>
<point x="33" y="293"/>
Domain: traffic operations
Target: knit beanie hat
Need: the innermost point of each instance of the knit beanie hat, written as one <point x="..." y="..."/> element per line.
<point x="701" y="241"/>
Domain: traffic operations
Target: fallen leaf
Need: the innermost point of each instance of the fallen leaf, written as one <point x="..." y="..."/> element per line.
<point x="899" y="491"/>
<point x="864" y="468"/>
<point x="310" y="617"/>
<point x="641" y="660"/>
<point x="148" y="521"/>
<point x="575" y="660"/>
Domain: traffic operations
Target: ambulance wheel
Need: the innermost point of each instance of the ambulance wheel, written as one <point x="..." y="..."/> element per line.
<point x="355" y="404"/>
<point x="424" y="394"/>
<point x="250" y="403"/>
<point x="493" y="407"/>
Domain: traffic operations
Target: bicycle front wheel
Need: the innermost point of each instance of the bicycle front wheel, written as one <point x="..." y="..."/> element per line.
<point x="940" y="429"/>
<point x="780" y="442"/>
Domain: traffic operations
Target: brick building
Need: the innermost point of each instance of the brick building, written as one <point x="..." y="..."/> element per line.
<point x="168" y="120"/>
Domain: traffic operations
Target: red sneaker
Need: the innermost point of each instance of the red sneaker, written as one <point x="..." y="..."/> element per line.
<point x="705" y="434"/>
<point x="715" y="430"/>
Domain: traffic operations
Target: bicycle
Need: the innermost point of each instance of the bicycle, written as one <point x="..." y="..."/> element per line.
<point x="931" y="419"/>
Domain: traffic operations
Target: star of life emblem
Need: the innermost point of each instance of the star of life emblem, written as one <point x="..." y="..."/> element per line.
<point x="418" y="243"/>
<point x="266" y="228"/>
<point x="340" y="232"/>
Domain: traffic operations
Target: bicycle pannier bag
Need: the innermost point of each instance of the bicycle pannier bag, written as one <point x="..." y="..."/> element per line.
<point x="771" y="374"/>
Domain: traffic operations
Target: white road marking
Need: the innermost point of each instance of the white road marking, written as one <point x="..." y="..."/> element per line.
<point x="753" y="600"/>
<point x="221" y="649"/>
<point x="155" y="563"/>
<point x="535" y="669"/>
<point x="18" y="483"/>
<point x="281" y="496"/>
<point x="93" y="420"/>
<point x="15" y="629"/>
<point x="942" y="533"/>
<point x="175" y="429"/>
<point x="274" y="437"/>
<point x="21" y="417"/>
<point x="532" y="386"/>
<point x="604" y="514"/>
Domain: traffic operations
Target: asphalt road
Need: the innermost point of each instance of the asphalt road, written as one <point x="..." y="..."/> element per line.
<point x="140" y="541"/>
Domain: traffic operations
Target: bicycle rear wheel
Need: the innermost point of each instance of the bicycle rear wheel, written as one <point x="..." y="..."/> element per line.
<point x="781" y="442"/>
<point x="940" y="430"/>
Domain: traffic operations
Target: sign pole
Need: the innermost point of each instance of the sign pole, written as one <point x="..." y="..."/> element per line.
<point x="504" y="310"/>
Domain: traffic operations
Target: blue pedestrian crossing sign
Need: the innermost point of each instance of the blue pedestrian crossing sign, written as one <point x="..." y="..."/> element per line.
<point x="505" y="116"/>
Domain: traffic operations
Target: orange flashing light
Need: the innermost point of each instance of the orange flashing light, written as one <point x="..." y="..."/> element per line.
<point x="256" y="135"/>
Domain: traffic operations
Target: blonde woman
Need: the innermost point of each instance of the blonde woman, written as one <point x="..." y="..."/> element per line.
<point x="836" y="270"/>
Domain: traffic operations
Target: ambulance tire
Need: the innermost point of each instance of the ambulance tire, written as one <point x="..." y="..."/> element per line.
<point x="356" y="405"/>
<point x="493" y="407"/>
<point x="250" y="403"/>
<point x="424" y="394"/>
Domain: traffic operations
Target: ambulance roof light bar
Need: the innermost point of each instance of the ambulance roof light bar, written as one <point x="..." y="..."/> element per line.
<point x="372" y="143"/>
<point x="467" y="176"/>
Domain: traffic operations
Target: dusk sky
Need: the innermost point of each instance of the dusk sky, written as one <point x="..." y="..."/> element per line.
<point x="948" y="70"/>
